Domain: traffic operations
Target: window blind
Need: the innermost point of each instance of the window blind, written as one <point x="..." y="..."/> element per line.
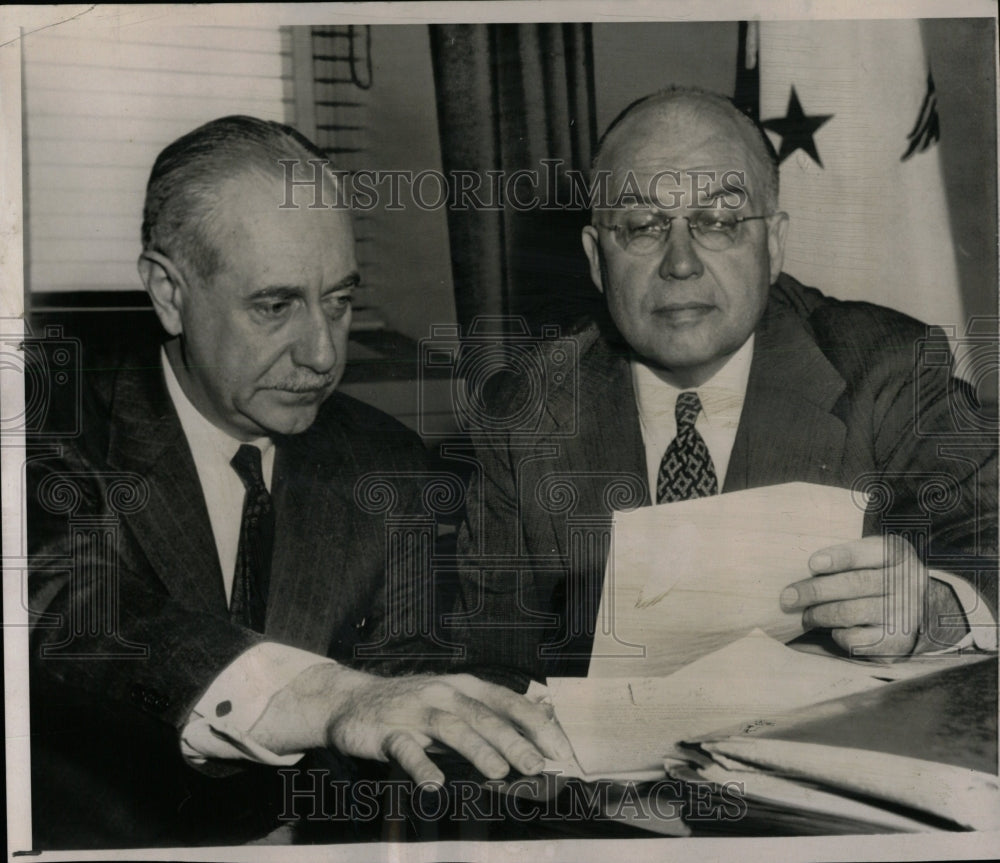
<point x="99" y="105"/>
<point x="340" y="67"/>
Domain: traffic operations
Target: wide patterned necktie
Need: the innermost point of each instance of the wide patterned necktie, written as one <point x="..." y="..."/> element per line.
<point x="253" y="557"/>
<point x="686" y="470"/>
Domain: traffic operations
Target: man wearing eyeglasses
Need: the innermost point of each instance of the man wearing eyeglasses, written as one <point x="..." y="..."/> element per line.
<point x="715" y="373"/>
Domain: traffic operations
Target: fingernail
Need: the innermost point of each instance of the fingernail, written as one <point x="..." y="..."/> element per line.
<point x="532" y="763"/>
<point x="789" y="597"/>
<point x="821" y="561"/>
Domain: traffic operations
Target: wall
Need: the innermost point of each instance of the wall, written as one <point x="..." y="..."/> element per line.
<point x="963" y="60"/>
<point x="631" y="60"/>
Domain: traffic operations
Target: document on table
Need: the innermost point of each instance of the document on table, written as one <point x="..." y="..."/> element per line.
<point x="619" y="726"/>
<point x="684" y="579"/>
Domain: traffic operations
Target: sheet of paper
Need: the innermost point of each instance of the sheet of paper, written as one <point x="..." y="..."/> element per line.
<point x="687" y="578"/>
<point x="618" y="725"/>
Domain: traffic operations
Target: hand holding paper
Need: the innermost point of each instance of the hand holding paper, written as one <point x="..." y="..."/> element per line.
<point x="870" y="593"/>
<point x="687" y="578"/>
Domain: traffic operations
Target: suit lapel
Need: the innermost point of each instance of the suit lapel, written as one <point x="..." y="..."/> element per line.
<point x="611" y="436"/>
<point x="314" y="534"/>
<point x="607" y="443"/>
<point x="314" y="515"/>
<point x="173" y="529"/>
<point x="788" y="430"/>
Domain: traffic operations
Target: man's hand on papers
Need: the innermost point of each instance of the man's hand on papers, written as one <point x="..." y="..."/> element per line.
<point x="873" y="594"/>
<point x="382" y="717"/>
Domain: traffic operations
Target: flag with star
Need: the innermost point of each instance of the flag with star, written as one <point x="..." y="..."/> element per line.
<point x="851" y="109"/>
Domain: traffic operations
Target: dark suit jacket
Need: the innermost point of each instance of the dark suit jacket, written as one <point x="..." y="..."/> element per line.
<point x="121" y="505"/>
<point x="844" y="394"/>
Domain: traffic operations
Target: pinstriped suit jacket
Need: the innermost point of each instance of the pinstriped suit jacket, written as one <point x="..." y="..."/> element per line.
<point x="845" y="394"/>
<point x="108" y="770"/>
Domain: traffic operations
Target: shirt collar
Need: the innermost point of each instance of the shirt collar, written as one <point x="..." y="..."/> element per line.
<point x="203" y="436"/>
<point x="721" y="395"/>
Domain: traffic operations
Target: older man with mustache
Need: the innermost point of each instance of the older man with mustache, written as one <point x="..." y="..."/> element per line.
<point x="245" y="576"/>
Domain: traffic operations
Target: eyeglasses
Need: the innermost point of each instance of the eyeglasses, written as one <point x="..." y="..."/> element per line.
<point x="645" y="232"/>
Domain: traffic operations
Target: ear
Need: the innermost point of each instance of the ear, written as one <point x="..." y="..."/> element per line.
<point x="590" y="239"/>
<point x="165" y="286"/>
<point x="777" y="230"/>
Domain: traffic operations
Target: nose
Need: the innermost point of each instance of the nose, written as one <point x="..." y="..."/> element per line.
<point x="680" y="257"/>
<point x="316" y="348"/>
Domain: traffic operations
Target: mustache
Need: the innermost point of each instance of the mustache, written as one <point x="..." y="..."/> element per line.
<point x="301" y="384"/>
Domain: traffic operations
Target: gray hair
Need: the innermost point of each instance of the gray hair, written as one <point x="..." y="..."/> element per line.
<point x="185" y="185"/>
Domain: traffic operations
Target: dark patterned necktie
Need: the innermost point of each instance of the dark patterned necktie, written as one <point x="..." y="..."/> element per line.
<point x="686" y="470"/>
<point x="253" y="557"/>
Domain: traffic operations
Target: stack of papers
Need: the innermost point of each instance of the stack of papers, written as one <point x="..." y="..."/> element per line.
<point x="620" y="727"/>
<point x="690" y="676"/>
<point x="925" y="746"/>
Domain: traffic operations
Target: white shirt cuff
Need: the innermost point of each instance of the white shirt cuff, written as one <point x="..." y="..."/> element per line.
<point x="219" y="724"/>
<point x="982" y="625"/>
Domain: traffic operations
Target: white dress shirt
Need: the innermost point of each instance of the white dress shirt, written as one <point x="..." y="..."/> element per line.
<point x="219" y="724"/>
<point x="721" y="406"/>
<point x="221" y="486"/>
<point x="722" y="398"/>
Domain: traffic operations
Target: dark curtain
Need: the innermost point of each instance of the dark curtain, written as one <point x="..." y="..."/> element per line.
<point x="510" y="96"/>
<point x="746" y="89"/>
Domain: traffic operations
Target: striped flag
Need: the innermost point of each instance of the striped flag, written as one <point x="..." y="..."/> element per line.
<point x="851" y="109"/>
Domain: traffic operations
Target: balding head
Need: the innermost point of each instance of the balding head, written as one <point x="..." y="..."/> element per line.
<point x="636" y="137"/>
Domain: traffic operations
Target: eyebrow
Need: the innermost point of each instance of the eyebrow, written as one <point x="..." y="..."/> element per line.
<point x="284" y="292"/>
<point x="275" y="292"/>
<point x="351" y="280"/>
